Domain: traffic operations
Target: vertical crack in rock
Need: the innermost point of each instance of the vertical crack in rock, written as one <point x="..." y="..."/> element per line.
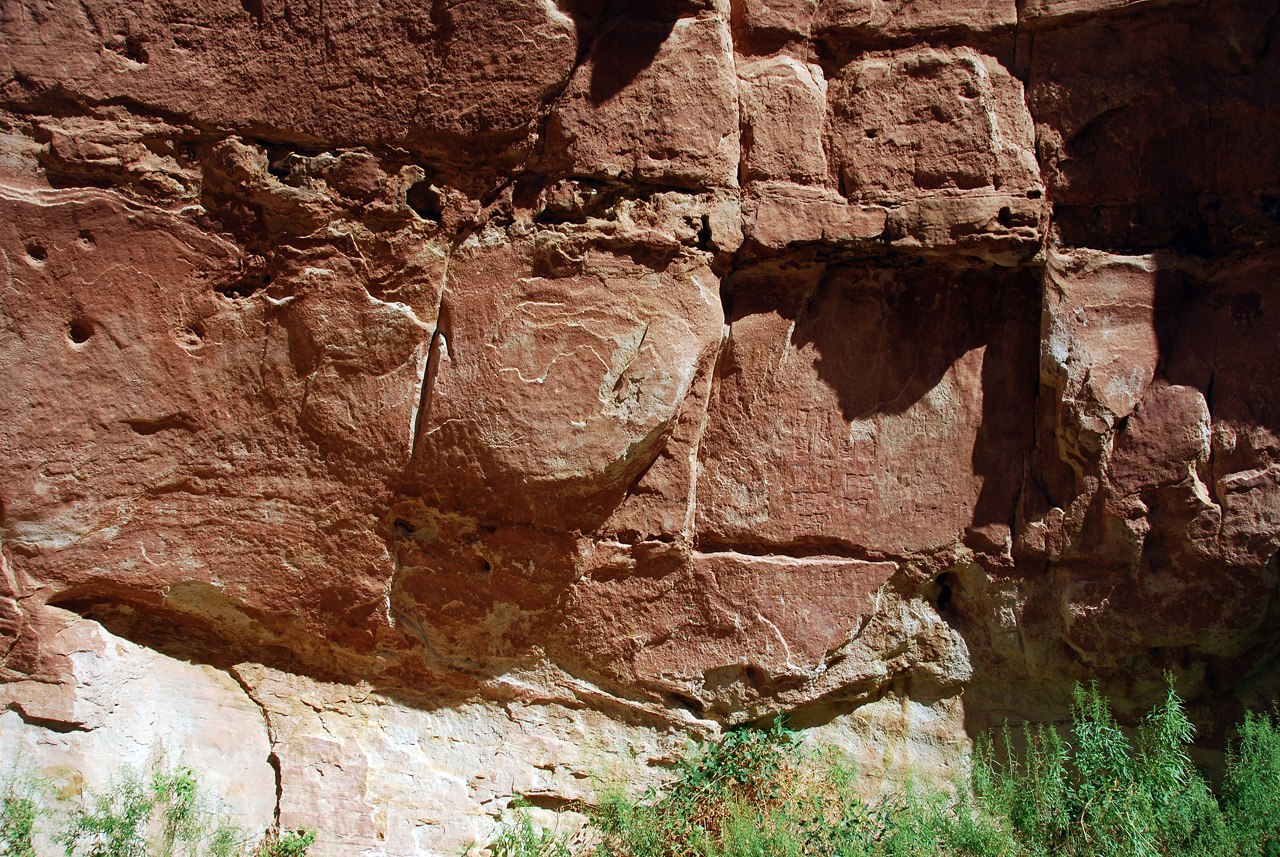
<point x="441" y="342"/>
<point x="689" y="527"/>
<point x="273" y="760"/>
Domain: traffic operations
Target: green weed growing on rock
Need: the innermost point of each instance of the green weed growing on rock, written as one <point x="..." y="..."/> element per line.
<point x="162" y="813"/>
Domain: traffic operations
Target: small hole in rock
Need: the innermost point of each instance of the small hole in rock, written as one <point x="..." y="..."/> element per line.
<point x="86" y="238"/>
<point x="1005" y="216"/>
<point x="485" y="566"/>
<point x="36" y="251"/>
<point x="1033" y="194"/>
<point x="944" y="591"/>
<point x="191" y="336"/>
<point x="872" y="133"/>
<point x="403" y="527"/>
<point x="688" y="703"/>
<point x="244" y="287"/>
<point x="425" y="200"/>
<point x="79" y="331"/>
<point x="135" y="50"/>
<point x="704" y="234"/>
<point x="254" y="8"/>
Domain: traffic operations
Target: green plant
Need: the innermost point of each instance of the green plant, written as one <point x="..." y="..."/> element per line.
<point x="161" y="814"/>
<point x="696" y="812"/>
<point x="286" y="843"/>
<point x="1114" y="812"/>
<point x="1029" y="793"/>
<point x="111" y="823"/>
<point x="523" y="839"/>
<point x="1185" y="817"/>
<point x="1251" y="788"/>
<point x="19" y="809"/>
<point x="182" y="820"/>
<point x="757" y="794"/>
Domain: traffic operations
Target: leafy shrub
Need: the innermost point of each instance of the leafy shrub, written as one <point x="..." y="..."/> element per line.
<point x="522" y="839"/>
<point x="1099" y="794"/>
<point x="19" y="810"/>
<point x="758" y="794"/>
<point x="163" y="814"/>
<point x="1251" y="789"/>
<point x="286" y="843"/>
<point x="111" y="823"/>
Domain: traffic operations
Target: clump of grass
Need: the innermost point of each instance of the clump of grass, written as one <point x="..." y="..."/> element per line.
<point x="163" y="813"/>
<point x="1092" y="793"/>
<point x="1101" y="795"/>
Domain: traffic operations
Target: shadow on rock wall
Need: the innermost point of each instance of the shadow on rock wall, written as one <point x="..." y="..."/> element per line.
<point x="1147" y="536"/>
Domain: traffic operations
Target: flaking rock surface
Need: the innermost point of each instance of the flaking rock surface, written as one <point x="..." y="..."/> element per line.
<point x="409" y="405"/>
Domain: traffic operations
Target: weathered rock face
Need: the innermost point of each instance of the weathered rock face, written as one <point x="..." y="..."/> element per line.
<point x="410" y="405"/>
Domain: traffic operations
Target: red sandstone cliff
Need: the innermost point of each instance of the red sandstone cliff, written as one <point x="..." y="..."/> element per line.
<point x="479" y="388"/>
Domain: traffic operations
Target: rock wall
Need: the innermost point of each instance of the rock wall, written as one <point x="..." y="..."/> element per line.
<point x="470" y="399"/>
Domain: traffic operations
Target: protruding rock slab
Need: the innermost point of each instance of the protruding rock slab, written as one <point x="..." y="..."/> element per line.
<point x="778" y="215"/>
<point x="721" y="629"/>
<point x="395" y="72"/>
<point x="547" y="396"/>
<point x="899" y="18"/>
<point x="874" y="20"/>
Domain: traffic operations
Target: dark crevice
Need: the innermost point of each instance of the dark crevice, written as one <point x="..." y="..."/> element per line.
<point x="172" y="422"/>
<point x="554" y="803"/>
<point x="704" y="235"/>
<point x="426" y="200"/>
<point x="274" y="761"/>
<point x="943" y="601"/>
<point x="688" y="703"/>
<point x="810" y="550"/>
<point x="254" y="8"/>
<point x="245" y="286"/>
<point x="439" y="342"/>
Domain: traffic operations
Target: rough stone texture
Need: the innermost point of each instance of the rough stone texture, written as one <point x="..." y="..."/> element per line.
<point x="783" y="109"/>
<point x="1139" y="124"/>
<point x="654" y="101"/>
<point x="493" y="395"/>
<point x="406" y="775"/>
<point x="943" y="137"/>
